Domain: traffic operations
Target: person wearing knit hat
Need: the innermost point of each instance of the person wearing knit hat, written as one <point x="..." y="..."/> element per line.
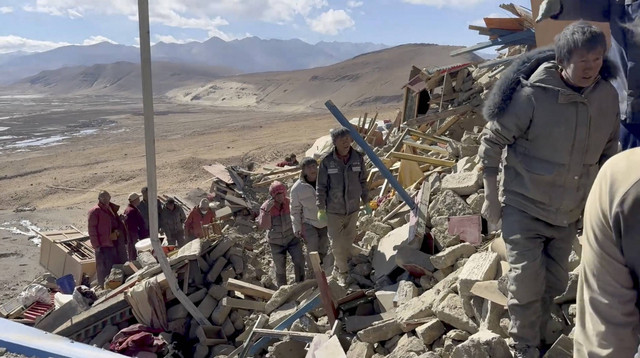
<point x="172" y="219"/>
<point x="134" y="222"/>
<point x="198" y="217"/>
<point x="275" y="217"/>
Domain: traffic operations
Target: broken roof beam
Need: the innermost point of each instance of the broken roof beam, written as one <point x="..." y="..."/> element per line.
<point x="248" y="289"/>
<point x="432" y="117"/>
<point x="422" y="159"/>
<point x="525" y="37"/>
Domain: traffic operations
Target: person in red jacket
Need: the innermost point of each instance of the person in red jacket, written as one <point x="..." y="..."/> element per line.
<point x="106" y="233"/>
<point x="199" y="216"/>
<point x="136" y="228"/>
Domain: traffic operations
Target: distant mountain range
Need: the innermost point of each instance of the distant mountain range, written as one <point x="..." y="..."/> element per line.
<point x="247" y="55"/>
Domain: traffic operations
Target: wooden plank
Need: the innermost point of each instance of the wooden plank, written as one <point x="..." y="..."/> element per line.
<point x="432" y="117"/>
<point x="519" y="38"/>
<point x="325" y="292"/>
<point x="219" y="171"/>
<point x="269" y="181"/>
<point x="418" y="217"/>
<point x="447" y="124"/>
<point x="396" y="146"/>
<point x="303" y="336"/>
<point x="232" y="199"/>
<point x="244" y="348"/>
<point x="428" y="148"/>
<point x="422" y="159"/>
<point x="248" y="289"/>
<point x="244" y="304"/>
<point x="505" y="23"/>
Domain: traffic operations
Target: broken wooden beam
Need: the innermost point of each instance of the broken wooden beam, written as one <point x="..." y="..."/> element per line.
<point x="244" y="304"/>
<point x="423" y="159"/>
<point x="325" y="292"/>
<point x="248" y="289"/>
<point x="432" y="117"/>
<point x="429" y="148"/>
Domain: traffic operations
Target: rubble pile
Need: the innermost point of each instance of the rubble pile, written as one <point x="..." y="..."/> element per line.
<point x="426" y="283"/>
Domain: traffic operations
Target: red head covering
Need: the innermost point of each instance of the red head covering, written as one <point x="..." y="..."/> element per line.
<point x="276" y="188"/>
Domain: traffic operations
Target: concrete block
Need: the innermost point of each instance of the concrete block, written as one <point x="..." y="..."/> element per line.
<point x="414" y="261"/>
<point x="422" y="306"/>
<point x="380" y="332"/>
<point x="481" y="266"/>
<point x="391" y="344"/>
<point x="286" y="292"/>
<point x="363" y="269"/>
<point x="406" y="291"/>
<point x="450" y="255"/>
<point x="220" y="249"/>
<point x="440" y="275"/>
<point x="408" y="344"/>
<point x="198" y="296"/>
<point x="484" y="341"/>
<point x="490" y="317"/>
<point x="289" y="349"/>
<point x="220" y="314"/>
<point x="384" y="258"/>
<point x="218" y="292"/>
<point x="380" y="229"/>
<point x="202" y="264"/>
<point x="448" y="203"/>
<point x="463" y="184"/>
<point x="237" y="321"/>
<point x="360" y="350"/>
<point x="201" y="351"/>
<point x="427" y="282"/>
<point x="458" y="335"/>
<point x="237" y="263"/>
<point x="207" y="305"/>
<point x="228" y="328"/>
<point x="228" y="273"/>
<point x="475" y="202"/>
<point x="430" y="331"/>
<point x="176" y="312"/>
<point x="451" y="312"/>
<point x="216" y="269"/>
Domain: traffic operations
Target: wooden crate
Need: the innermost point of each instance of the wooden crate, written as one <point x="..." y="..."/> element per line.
<point x="67" y="252"/>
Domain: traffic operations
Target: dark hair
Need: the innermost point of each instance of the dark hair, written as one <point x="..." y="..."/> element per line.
<point x="144" y="189"/>
<point x="578" y="35"/>
<point x="171" y="200"/>
<point x="307" y="161"/>
<point x="339" y="133"/>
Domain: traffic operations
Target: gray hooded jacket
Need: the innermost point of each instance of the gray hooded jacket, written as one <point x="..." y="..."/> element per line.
<point x="340" y="186"/>
<point x="556" y="138"/>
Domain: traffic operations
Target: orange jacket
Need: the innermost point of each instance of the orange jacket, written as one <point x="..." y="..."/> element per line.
<point x="195" y="221"/>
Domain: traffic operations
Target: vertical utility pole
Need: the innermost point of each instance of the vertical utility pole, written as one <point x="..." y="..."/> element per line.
<point x="150" y="147"/>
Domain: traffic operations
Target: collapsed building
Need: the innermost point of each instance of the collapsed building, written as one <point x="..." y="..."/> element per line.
<point x="429" y="282"/>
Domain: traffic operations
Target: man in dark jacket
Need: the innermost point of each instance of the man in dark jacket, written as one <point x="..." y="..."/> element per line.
<point x="107" y="235"/>
<point x="623" y="17"/>
<point x="172" y="219"/>
<point x="341" y="185"/>
<point x="608" y="301"/>
<point x="144" y="207"/>
<point x="134" y="222"/>
<point x="558" y="121"/>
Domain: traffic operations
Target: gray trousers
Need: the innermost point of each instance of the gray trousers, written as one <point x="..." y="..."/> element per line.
<point x="176" y="238"/>
<point x="342" y="232"/>
<point x="316" y="239"/>
<point x="279" y="253"/>
<point x="538" y="253"/>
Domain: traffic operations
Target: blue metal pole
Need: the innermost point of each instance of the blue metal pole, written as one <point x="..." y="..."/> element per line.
<point x="374" y="158"/>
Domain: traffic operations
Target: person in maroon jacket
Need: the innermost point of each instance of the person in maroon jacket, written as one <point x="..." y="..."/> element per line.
<point x="198" y="217"/>
<point x="106" y="233"/>
<point x="136" y="228"/>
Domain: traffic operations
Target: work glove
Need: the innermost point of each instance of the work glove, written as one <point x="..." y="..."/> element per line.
<point x="367" y="209"/>
<point x="549" y="8"/>
<point x="322" y="216"/>
<point x="492" y="208"/>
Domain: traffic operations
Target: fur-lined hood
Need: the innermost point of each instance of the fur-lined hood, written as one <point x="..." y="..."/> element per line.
<point x="521" y="71"/>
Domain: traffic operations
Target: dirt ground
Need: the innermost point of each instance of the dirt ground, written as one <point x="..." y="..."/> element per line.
<point x="103" y="148"/>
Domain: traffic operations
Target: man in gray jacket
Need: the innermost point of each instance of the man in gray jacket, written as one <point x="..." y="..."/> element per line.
<point x="623" y="17"/>
<point x="304" y="211"/>
<point x="608" y="303"/>
<point x="342" y="183"/>
<point x="558" y="121"/>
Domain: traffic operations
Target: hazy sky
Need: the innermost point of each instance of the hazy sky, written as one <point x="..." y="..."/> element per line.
<point x="39" y="25"/>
